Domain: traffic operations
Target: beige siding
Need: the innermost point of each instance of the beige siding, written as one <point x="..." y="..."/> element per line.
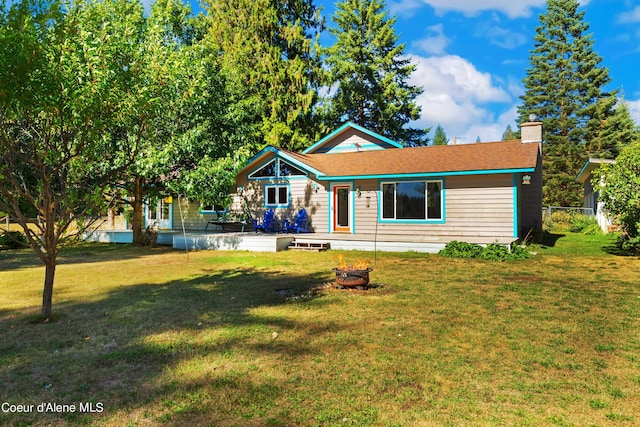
<point x="478" y="206"/>
<point x="189" y="212"/>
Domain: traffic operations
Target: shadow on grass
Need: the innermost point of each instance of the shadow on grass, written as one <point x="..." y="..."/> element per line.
<point x="78" y="253"/>
<point x="118" y="350"/>
<point x="550" y="239"/>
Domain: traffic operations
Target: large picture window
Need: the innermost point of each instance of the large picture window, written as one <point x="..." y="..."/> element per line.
<point x="276" y="195"/>
<point x="412" y="200"/>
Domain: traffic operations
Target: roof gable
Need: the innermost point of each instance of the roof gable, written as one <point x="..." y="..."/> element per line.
<point x="351" y="138"/>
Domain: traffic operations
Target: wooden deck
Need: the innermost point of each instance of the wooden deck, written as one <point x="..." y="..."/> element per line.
<point x="260" y="242"/>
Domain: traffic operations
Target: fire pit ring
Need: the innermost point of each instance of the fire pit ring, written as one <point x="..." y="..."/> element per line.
<point x="349" y="278"/>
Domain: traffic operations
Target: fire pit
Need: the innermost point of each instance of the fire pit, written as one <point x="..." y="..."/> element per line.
<point x="353" y="276"/>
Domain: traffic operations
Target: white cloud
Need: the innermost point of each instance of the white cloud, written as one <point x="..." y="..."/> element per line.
<point x="632" y="16"/>
<point x="456" y="96"/>
<point x="499" y="35"/>
<point x="435" y="43"/>
<point x="512" y="8"/>
<point x="634" y="110"/>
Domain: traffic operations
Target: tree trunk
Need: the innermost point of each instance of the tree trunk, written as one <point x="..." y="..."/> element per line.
<point x="47" y="294"/>
<point x="137" y="219"/>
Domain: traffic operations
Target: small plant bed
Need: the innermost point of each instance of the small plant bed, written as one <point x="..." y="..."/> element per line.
<point x="492" y="252"/>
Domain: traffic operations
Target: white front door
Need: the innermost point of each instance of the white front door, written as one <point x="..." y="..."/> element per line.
<point x="159" y="214"/>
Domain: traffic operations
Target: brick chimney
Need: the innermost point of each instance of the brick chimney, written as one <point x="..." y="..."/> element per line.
<point x="531" y="132"/>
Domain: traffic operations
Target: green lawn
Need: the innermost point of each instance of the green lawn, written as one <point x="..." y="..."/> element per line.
<point x="158" y="337"/>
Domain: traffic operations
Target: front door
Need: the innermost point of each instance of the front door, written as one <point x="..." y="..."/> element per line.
<point x="159" y="214"/>
<point x="342" y="208"/>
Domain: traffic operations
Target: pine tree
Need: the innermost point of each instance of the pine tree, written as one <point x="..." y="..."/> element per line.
<point x="270" y="58"/>
<point x="440" y="138"/>
<point x="616" y="131"/>
<point x="369" y="74"/>
<point x="563" y="87"/>
<point x="508" y="134"/>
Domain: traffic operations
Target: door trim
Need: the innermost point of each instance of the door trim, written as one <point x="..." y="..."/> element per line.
<point x="333" y="211"/>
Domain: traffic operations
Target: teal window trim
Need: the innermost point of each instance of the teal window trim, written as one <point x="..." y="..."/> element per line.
<point x="278" y="203"/>
<point x="443" y="203"/>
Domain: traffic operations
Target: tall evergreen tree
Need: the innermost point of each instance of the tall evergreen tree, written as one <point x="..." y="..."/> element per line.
<point x="563" y="87"/>
<point x="508" y="134"/>
<point x="440" y="138"/>
<point x="271" y="62"/>
<point x="368" y="74"/>
<point x="614" y="132"/>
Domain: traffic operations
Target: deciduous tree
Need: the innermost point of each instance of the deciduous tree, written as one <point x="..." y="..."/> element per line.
<point x="64" y="93"/>
<point x="620" y="191"/>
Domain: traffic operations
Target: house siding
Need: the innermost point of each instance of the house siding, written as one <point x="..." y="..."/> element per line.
<point x="188" y="212"/>
<point x="476" y="208"/>
<point x="479" y="206"/>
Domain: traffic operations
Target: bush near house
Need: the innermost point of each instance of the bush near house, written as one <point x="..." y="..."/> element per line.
<point x="574" y="222"/>
<point x="492" y="252"/>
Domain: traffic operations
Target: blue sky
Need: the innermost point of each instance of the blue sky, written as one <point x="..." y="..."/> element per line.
<point x="472" y="55"/>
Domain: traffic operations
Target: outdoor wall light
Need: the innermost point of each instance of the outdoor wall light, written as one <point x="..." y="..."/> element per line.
<point x="526" y="179"/>
<point x="358" y="192"/>
<point x="316" y="187"/>
<point x="240" y="190"/>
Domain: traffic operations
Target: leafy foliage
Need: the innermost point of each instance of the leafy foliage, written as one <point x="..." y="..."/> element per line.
<point x="492" y="252"/>
<point x="621" y="190"/>
<point x="269" y="58"/>
<point x="369" y="73"/>
<point x="12" y="240"/>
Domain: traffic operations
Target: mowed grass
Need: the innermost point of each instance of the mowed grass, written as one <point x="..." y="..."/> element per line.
<point x="158" y="337"/>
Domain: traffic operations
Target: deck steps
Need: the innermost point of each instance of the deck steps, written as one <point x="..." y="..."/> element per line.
<point x="308" y="245"/>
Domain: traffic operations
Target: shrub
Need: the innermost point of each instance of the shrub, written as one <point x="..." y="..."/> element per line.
<point x="578" y="223"/>
<point x="456" y="249"/>
<point x="12" y="240"/>
<point x="492" y="252"/>
<point x="629" y="245"/>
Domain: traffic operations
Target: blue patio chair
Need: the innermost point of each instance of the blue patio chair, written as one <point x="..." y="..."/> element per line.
<point x="268" y="224"/>
<point x="299" y="224"/>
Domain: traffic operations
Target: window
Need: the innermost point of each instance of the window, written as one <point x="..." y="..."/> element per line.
<point x="267" y="171"/>
<point x="276" y="195"/>
<point x="412" y="200"/>
<point x="288" y="170"/>
<point x="212" y="209"/>
<point x="277" y="168"/>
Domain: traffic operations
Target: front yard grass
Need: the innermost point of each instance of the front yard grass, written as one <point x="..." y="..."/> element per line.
<point x="151" y="336"/>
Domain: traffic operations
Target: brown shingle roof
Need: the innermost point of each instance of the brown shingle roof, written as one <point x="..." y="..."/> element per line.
<point x="492" y="156"/>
